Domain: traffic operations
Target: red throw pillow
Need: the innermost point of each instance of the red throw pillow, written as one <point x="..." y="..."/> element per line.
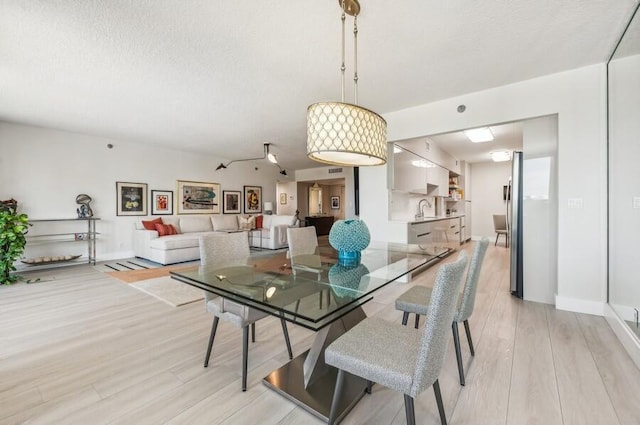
<point x="259" y="222"/>
<point x="165" y="229"/>
<point x="151" y="224"/>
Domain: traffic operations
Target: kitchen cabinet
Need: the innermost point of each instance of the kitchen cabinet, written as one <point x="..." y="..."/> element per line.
<point x="408" y="172"/>
<point x="438" y="181"/>
<point x="447" y="232"/>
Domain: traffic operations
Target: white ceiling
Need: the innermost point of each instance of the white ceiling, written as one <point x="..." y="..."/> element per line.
<point x="224" y="77"/>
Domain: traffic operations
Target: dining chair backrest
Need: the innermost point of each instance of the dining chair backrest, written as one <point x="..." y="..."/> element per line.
<point x="303" y="247"/>
<point x="473" y="276"/>
<point x="434" y="339"/>
<point x="223" y="249"/>
<point x="499" y="222"/>
<point x="302" y="240"/>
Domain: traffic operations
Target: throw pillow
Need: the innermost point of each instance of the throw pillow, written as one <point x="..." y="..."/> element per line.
<point x="165" y="229"/>
<point x="246" y="223"/>
<point x="151" y="224"/>
<point x="259" y="221"/>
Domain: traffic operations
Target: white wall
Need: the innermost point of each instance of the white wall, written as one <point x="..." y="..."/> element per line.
<point x="578" y="97"/>
<point x="486" y="185"/>
<point x="288" y="189"/>
<point x="45" y="169"/>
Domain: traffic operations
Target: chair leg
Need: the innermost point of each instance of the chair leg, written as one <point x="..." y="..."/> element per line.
<point x="369" y="385"/>
<point x="405" y="318"/>
<point x="211" y="337"/>
<point x="436" y="390"/>
<point x="496" y="242"/>
<point x="456" y="342"/>
<point x="253" y="332"/>
<point x="285" y="332"/>
<point x="337" y="392"/>
<point x="320" y="296"/>
<point x="245" y="355"/>
<point x="409" y="410"/>
<point x="468" y="332"/>
<point x="417" y="320"/>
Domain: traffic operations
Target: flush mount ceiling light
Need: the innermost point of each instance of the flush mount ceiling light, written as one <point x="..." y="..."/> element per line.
<point x="340" y="133"/>
<point x="268" y="155"/>
<point x="479" y="135"/>
<point x="500" y="156"/>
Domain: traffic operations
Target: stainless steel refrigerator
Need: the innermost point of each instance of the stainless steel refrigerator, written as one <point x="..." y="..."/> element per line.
<point x="514" y="224"/>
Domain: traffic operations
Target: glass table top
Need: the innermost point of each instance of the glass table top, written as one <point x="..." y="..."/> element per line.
<point x="320" y="290"/>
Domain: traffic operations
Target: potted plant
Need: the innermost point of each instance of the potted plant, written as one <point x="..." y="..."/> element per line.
<point x="13" y="227"/>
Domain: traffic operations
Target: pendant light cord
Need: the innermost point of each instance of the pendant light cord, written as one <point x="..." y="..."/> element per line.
<point x="343" y="67"/>
<point x="355" y="59"/>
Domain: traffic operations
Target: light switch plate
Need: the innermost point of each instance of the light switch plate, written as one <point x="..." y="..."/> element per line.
<point x="636" y="202"/>
<point x="575" y="203"/>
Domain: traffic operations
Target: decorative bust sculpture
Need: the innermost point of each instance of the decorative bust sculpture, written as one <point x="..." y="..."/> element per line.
<point x="84" y="211"/>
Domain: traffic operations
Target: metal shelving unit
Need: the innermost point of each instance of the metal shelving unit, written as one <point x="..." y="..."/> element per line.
<point x="86" y="234"/>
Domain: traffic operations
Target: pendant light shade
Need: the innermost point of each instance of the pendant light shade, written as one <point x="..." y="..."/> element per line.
<point x="345" y="134"/>
<point x="340" y="133"/>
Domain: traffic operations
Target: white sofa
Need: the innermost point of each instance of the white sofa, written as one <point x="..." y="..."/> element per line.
<point x="183" y="246"/>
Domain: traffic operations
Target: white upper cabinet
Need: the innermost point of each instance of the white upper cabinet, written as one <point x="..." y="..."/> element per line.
<point x="438" y="181"/>
<point x="406" y="171"/>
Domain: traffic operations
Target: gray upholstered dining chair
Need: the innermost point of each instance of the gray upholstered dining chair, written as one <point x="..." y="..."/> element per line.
<point x="222" y="250"/>
<point x="304" y="256"/>
<point x="417" y="300"/>
<point x="500" y="227"/>
<point x="303" y="249"/>
<point x="401" y="358"/>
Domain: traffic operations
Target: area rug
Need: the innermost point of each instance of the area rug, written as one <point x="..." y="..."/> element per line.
<point x="130" y="276"/>
<point x="169" y="290"/>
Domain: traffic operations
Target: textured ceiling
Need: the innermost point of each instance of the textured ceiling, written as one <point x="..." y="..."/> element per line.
<point x="224" y="77"/>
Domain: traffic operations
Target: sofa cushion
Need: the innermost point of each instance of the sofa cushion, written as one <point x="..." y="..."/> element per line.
<point x="288" y="220"/>
<point x="151" y="224"/>
<point x="165" y="229"/>
<point x="195" y="224"/>
<point x="259" y="221"/>
<point x="185" y="240"/>
<point x="224" y="222"/>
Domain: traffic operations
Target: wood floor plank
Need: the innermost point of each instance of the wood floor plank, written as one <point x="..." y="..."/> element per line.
<point x="620" y="378"/>
<point x="533" y="398"/>
<point x="583" y="397"/>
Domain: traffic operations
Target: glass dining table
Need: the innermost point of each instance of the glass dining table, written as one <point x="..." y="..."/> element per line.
<point x="322" y="295"/>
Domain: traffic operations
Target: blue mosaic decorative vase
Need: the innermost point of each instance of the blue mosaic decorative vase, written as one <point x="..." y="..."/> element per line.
<point x="345" y="280"/>
<point x="349" y="237"/>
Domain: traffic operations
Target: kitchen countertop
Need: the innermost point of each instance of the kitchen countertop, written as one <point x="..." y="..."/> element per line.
<point x="428" y="219"/>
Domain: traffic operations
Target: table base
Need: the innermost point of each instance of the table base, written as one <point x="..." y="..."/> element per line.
<point x="309" y="382"/>
<point x="316" y="399"/>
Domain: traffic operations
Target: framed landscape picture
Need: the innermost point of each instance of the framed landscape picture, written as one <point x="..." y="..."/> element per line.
<point x="252" y="199"/>
<point x="161" y="202"/>
<point x="335" y="202"/>
<point x="283" y="199"/>
<point x="231" y="201"/>
<point x="198" y="197"/>
<point x="131" y="198"/>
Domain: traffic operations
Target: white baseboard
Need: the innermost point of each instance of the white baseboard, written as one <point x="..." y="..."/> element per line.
<point x="580" y="306"/>
<point x="116" y="256"/>
<point x="627" y="338"/>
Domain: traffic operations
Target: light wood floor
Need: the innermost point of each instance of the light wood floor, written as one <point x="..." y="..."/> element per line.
<point x="83" y="348"/>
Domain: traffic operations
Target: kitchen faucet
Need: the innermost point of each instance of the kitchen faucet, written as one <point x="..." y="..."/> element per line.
<point x="421" y="207"/>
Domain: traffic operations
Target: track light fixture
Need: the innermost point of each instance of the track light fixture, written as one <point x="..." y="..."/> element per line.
<point x="268" y="155"/>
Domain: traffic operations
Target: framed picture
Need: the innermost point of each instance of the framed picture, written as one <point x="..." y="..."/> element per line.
<point x="283" y="199"/>
<point x="161" y="202"/>
<point x="131" y="198"/>
<point x="252" y="199"/>
<point x="335" y="202"/>
<point x="198" y="197"/>
<point x="231" y="201"/>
